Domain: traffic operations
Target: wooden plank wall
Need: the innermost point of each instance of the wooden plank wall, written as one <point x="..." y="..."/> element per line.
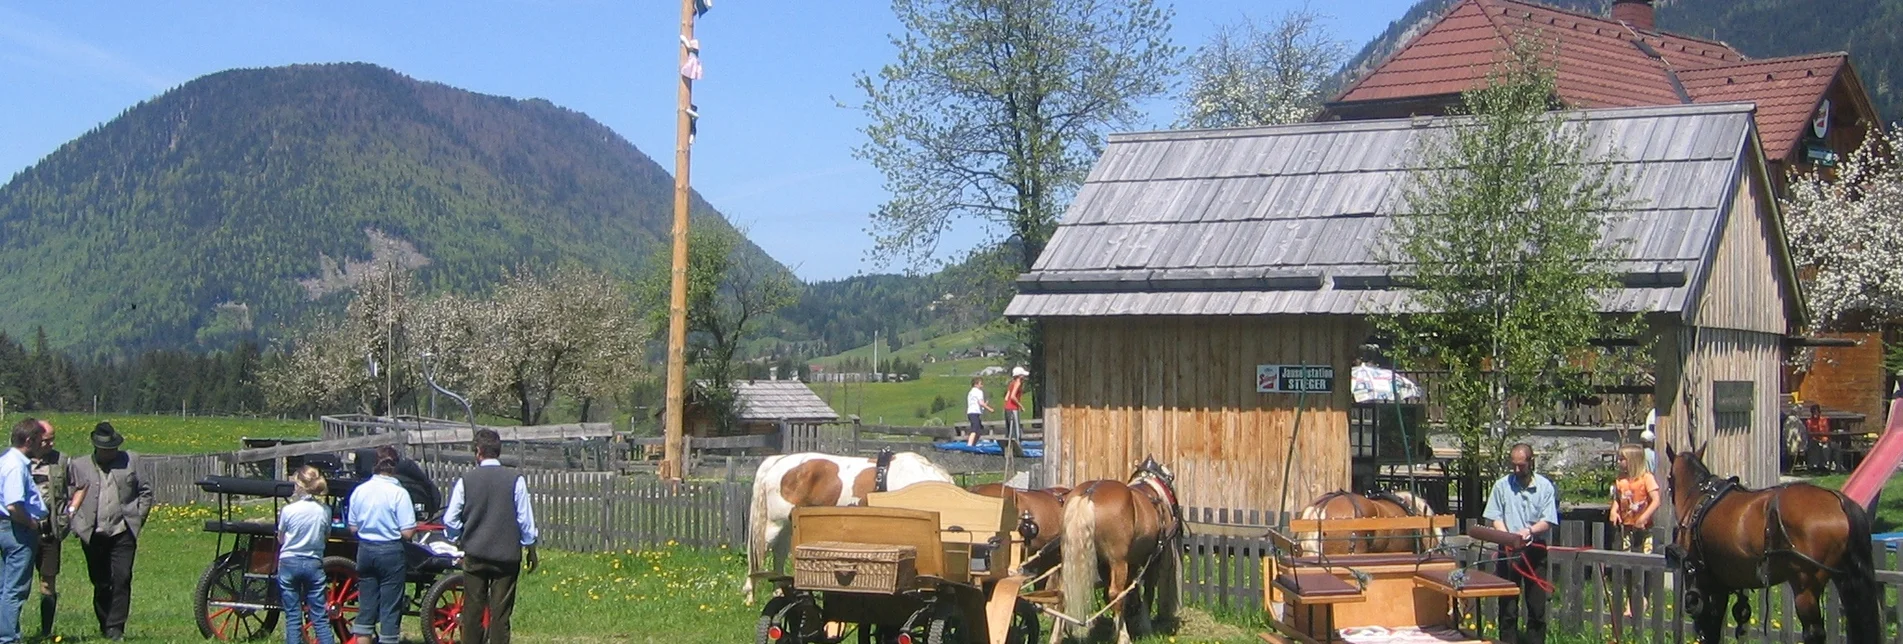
<point x="1712" y="355"/>
<point x="1183" y="390"/>
<point x="1743" y="290"/>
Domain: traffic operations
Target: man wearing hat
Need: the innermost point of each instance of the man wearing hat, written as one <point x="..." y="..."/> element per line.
<point x="109" y="508"/>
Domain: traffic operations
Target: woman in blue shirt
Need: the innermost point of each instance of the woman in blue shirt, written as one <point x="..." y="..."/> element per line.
<point x="383" y="518"/>
<point x="302" y="527"/>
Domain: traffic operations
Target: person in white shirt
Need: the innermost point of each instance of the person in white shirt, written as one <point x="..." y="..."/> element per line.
<point x="303" y="527"/>
<point x="975" y="408"/>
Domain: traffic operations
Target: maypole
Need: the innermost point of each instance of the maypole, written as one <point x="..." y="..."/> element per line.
<point x="685" y="114"/>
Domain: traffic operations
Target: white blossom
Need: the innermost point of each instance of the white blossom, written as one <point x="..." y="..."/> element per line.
<point x="1846" y="232"/>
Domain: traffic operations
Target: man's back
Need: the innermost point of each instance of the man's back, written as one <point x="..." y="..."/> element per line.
<point x="490" y="528"/>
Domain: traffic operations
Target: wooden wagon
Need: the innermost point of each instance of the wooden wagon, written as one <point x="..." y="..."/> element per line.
<point x="1375" y="597"/>
<point x="930" y="563"/>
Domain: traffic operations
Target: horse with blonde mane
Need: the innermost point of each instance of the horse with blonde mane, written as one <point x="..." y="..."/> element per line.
<point x="810" y="479"/>
<point x="1342" y="504"/>
<point x="1134" y="531"/>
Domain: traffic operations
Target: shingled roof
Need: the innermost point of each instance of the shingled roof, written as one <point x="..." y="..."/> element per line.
<point x="769" y="400"/>
<point x="1604" y="63"/>
<point x="1286" y="220"/>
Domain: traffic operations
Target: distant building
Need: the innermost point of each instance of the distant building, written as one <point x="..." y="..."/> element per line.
<point x="760" y="407"/>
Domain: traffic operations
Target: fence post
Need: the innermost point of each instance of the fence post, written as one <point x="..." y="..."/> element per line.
<point x="605" y="499"/>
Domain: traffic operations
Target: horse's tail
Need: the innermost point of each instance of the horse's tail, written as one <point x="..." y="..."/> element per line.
<point x="1080" y="556"/>
<point x="1857" y="587"/>
<point x="756" y="532"/>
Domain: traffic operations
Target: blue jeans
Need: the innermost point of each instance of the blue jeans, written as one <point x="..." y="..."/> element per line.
<point x="301" y="582"/>
<point x="16" y="572"/>
<point x="381" y="570"/>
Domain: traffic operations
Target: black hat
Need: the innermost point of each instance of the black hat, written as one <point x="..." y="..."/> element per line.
<point x="105" y="437"/>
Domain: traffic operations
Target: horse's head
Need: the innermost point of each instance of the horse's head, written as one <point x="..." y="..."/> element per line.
<point x="1683" y="477"/>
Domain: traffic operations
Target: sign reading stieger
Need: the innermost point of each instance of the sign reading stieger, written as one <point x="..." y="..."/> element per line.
<point x="1294" y="378"/>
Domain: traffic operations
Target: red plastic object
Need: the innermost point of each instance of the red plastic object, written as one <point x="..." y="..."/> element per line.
<point x="1877" y="466"/>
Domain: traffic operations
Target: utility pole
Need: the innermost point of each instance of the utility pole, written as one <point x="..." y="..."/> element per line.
<point x="672" y="458"/>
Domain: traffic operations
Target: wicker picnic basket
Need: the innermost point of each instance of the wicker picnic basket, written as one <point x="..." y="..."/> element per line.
<point x="855" y="567"/>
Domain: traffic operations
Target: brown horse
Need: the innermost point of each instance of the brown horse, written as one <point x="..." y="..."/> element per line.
<point x="1134" y="532"/>
<point x="1046" y="508"/>
<point x="1728" y="539"/>
<point x="1341" y="504"/>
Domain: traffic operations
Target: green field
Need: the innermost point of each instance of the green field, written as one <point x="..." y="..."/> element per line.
<point x="167" y="434"/>
<point x="899" y="403"/>
<point x="996" y="335"/>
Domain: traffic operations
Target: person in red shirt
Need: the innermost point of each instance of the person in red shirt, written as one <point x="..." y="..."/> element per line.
<point x="1818" y="425"/>
<point x="1013" y="393"/>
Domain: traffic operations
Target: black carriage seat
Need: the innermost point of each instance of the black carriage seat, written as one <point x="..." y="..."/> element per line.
<point x="240" y="486"/>
<point x="264" y="529"/>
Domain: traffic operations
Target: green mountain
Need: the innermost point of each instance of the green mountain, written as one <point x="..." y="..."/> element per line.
<point x="1759" y="28"/>
<point x="229" y="206"/>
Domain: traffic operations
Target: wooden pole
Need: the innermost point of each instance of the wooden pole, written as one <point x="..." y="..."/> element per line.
<point x="671" y="457"/>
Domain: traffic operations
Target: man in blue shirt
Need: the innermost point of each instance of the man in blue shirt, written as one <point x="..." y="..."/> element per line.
<point x="383" y="517"/>
<point x="490" y="517"/>
<point x="1525" y="504"/>
<point x="26" y="508"/>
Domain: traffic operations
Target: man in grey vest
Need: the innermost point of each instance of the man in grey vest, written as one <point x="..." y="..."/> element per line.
<point x="113" y="502"/>
<point x="490" y="518"/>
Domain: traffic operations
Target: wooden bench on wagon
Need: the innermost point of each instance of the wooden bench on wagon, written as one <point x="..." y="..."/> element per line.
<point x="1346" y="597"/>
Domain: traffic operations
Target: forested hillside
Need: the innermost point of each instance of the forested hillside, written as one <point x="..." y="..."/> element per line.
<point x="227" y="206"/>
<point x="1760" y="28"/>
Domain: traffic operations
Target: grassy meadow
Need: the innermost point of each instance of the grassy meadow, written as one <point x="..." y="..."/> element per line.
<point x="162" y="434"/>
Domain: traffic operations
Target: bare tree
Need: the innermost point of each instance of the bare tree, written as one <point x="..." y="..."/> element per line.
<point x="1251" y="74"/>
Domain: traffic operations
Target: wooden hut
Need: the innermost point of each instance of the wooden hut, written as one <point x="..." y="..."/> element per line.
<point x="759" y="407"/>
<point x="1207" y="294"/>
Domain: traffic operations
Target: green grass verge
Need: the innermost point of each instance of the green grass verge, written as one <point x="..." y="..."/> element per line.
<point x="157" y="434"/>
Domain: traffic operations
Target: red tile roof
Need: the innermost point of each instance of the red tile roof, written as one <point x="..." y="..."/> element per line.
<point x="1600" y="64"/>
<point x="1786" y="90"/>
<point x="1604" y="63"/>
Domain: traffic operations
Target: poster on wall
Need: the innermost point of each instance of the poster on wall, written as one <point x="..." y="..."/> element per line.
<point x="1294" y="378"/>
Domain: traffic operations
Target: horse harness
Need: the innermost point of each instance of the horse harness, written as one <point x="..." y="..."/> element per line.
<point x="882" y="468"/>
<point x="1712" y="490"/>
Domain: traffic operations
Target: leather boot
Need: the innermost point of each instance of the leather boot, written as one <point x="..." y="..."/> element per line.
<point x="49" y="608"/>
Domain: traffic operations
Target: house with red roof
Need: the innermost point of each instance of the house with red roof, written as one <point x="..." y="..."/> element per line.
<point x="1810" y="111"/>
<point x="1808" y="107"/>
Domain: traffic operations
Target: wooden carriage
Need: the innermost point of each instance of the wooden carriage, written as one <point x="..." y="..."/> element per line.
<point x="927" y="563"/>
<point x="1336" y="597"/>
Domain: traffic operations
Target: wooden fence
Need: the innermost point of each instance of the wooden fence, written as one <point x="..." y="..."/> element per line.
<point x="606" y="511"/>
<point x="174" y="479"/>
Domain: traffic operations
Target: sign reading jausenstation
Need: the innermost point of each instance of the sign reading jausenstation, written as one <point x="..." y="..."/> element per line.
<point x="1294" y="378"/>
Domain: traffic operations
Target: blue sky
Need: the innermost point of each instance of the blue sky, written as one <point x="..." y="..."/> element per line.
<point x="774" y="151"/>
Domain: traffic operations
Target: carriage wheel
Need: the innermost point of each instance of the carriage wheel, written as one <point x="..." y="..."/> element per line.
<point x="791" y="620"/>
<point x="443" y="606"/>
<point x="340" y="594"/>
<point x="234" y="606"/>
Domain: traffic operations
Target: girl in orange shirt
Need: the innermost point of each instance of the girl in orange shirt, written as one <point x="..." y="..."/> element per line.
<point x="1635" y="496"/>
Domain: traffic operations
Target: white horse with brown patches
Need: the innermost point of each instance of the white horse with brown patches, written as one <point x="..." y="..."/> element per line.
<point x="811" y="479"/>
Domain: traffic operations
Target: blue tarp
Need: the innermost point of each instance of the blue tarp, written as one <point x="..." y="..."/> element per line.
<point x="1032" y="449"/>
<point x="1889" y="539"/>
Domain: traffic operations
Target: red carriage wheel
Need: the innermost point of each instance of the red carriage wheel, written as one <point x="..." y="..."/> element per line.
<point x="233" y="605"/>
<point x="340" y="594"/>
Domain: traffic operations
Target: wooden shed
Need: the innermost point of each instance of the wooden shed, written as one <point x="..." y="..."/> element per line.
<point x="1202" y="279"/>
<point x="760" y="407"/>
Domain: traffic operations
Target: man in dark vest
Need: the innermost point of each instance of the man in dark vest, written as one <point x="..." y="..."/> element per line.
<point x="490" y="518"/>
